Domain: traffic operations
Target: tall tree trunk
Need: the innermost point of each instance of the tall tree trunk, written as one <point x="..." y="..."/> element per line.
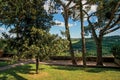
<point x="70" y="46"/>
<point x="37" y="64"/>
<point x="98" y="41"/>
<point x="17" y="36"/>
<point x="99" y="52"/>
<point x="82" y="35"/>
<point x="68" y="37"/>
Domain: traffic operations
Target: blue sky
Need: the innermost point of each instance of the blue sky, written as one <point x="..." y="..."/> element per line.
<point x="74" y="26"/>
<point x="74" y="29"/>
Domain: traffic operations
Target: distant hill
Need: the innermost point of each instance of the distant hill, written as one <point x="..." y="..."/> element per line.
<point x="108" y="42"/>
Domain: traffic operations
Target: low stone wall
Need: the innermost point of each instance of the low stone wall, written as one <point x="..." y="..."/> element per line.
<point x="7" y="55"/>
<point x="1" y="53"/>
<point x="63" y="58"/>
<point x="117" y="61"/>
<point x="105" y="59"/>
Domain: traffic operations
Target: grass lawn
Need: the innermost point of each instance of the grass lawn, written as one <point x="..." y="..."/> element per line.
<point x="27" y="72"/>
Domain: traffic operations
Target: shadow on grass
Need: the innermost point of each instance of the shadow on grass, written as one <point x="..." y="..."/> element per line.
<point x="12" y="74"/>
<point x="69" y="68"/>
<point x="91" y="70"/>
<point x="97" y="70"/>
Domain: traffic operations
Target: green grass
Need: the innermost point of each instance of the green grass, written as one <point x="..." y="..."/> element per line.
<point x="27" y="72"/>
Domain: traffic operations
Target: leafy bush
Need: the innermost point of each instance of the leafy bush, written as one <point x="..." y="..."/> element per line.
<point x="3" y="63"/>
<point x="42" y="44"/>
<point x="116" y="51"/>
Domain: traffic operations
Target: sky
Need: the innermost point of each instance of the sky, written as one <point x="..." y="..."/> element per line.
<point x="75" y="30"/>
<point x="74" y="26"/>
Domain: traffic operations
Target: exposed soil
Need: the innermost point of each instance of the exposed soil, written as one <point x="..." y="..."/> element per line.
<point x="89" y="63"/>
<point x="61" y="62"/>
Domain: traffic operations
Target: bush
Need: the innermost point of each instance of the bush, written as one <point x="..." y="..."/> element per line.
<point x="115" y="50"/>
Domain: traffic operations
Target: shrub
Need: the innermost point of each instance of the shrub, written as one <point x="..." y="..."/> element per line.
<point x="115" y="50"/>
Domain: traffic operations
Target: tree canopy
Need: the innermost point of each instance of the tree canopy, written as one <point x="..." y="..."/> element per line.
<point x="107" y="20"/>
<point x="31" y="24"/>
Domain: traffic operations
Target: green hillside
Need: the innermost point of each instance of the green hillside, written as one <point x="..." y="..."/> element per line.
<point x="108" y="42"/>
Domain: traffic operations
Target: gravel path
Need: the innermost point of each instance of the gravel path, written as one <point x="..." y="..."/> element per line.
<point x="16" y="64"/>
<point x="89" y="63"/>
<point x="59" y="62"/>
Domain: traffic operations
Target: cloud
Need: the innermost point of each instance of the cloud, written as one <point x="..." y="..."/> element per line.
<point x="62" y="24"/>
<point x="60" y="10"/>
<point x="84" y="1"/>
<point x="93" y="8"/>
<point x="85" y="18"/>
<point x="2" y="29"/>
<point x="46" y="5"/>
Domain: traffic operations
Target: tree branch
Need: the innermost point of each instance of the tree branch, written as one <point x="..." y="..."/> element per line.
<point x="115" y="23"/>
<point x="108" y="25"/>
<point x="92" y="27"/>
<point x="73" y="6"/>
<point x="109" y="31"/>
<point x="69" y="3"/>
<point x="59" y="1"/>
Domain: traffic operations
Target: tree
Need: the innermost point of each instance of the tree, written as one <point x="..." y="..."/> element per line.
<point x="66" y="15"/>
<point x="23" y="15"/>
<point x="78" y="14"/>
<point x="44" y="45"/>
<point x="74" y="11"/>
<point x="82" y="34"/>
<point x="107" y="21"/>
<point x="31" y="23"/>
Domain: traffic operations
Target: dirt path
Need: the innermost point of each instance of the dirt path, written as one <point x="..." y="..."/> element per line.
<point x="68" y="62"/>
<point x="16" y="64"/>
<point x="59" y="62"/>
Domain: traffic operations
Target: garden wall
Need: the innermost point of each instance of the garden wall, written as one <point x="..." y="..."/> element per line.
<point x="105" y="59"/>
